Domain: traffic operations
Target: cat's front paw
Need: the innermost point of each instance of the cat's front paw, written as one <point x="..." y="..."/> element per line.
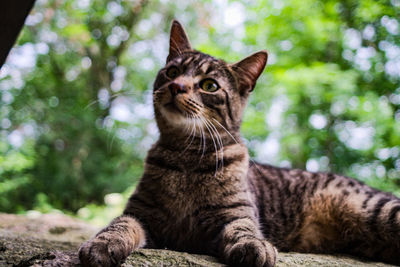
<point x="251" y="252"/>
<point x="103" y="252"/>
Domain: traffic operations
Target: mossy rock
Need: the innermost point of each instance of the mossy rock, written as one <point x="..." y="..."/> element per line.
<point x="53" y="240"/>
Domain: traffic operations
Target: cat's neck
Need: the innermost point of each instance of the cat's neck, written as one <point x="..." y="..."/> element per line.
<point x="196" y="158"/>
<point x="204" y="144"/>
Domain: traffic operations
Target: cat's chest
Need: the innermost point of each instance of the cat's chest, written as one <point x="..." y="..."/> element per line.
<point x="181" y="193"/>
<point x="178" y="193"/>
<point x="184" y="192"/>
<point x="181" y="199"/>
<point x="186" y="185"/>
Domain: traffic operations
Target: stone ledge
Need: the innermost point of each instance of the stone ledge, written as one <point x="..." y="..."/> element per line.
<point x="53" y="240"/>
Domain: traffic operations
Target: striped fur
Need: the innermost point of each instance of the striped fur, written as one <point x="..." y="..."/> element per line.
<point x="200" y="193"/>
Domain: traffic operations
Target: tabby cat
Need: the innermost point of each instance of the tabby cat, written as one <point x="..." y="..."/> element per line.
<point x="200" y="192"/>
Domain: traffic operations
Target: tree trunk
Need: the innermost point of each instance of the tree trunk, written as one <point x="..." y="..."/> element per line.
<point x="12" y="18"/>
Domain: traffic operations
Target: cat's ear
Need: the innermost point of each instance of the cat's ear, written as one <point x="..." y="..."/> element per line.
<point x="249" y="69"/>
<point x="178" y="41"/>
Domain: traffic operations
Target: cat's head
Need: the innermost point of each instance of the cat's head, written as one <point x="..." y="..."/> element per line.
<point x="195" y="90"/>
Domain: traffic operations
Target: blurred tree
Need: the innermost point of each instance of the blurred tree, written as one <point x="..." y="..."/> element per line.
<point x="12" y="17"/>
<point x="336" y="79"/>
<point x="76" y="113"/>
<point x="79" y="53"/>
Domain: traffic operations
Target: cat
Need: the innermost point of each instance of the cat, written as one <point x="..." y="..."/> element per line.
<point x="200" y="192"/>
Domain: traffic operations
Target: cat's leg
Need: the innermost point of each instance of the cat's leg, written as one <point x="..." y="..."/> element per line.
<point x="242" y="244"/>
<point x="344" y="215"/>
<point x="113" y="244"/>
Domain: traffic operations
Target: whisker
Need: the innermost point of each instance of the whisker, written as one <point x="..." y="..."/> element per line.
<point x="188" y="116"/>
<point x="110" y="144"/>
<point x="233" y="138"/>
<point x="192" y="133"/>
<point x="221" y="144"/>
<point x="226" y="131"/>
<point x="219" y="139"/>
<point x="215" y="145"/>
<point x="112" y="96"/>
<point x="203" y="138"/>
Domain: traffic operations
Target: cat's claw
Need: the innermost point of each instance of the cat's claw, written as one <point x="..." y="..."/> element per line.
<point x="101" y="252"/>
<point x="253" y="252"/>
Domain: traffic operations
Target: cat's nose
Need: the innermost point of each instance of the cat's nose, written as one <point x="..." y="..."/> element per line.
<point x="177" y="88"/>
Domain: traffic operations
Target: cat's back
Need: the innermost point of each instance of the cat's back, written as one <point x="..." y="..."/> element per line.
<point x="292" y="182"/>
<point x="281" y="195"/>
<point x="290" y="200"/>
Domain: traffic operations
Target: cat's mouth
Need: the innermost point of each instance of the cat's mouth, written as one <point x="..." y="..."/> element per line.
<point x="181" y="106"/>
<point x="174" y="114"/>
<point x="178" y="105"/>
<point x="172" y="107"/>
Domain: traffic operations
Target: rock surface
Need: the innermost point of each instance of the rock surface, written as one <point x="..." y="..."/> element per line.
<point x="53" y="240"/>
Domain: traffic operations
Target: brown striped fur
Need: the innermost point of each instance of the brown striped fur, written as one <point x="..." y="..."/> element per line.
<point x="200" y="192"/>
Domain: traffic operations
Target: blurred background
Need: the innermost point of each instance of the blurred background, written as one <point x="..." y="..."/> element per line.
<point x="76" y="113"/>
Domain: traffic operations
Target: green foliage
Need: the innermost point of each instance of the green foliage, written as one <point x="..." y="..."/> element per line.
<point x="75" y="106"/>
<point x="14" y="164"/>
<point x="336" y="92"/>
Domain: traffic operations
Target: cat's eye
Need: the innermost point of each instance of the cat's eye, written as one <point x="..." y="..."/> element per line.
<point x="209" y="85"/>
<point x="172" y="72"/>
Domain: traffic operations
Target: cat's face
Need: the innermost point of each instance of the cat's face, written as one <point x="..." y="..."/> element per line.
<point x="195" y="88"/>
<point x="196" y="91"/>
